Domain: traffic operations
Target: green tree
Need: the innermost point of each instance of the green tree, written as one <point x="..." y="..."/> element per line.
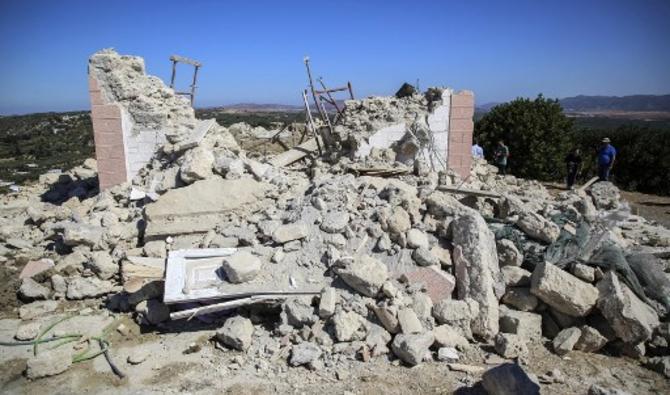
<point x="536" y="131"/>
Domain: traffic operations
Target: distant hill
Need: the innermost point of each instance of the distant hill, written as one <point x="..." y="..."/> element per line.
<point x="584" y="103"/>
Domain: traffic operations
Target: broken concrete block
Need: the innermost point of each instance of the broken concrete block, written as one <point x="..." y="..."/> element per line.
<point x="509" y="379"/>
<point x="526" y="325"/>
<point x="423" y="257"/>
<point x="632" y="320"/>
<point x="299" y="312"/>
<point x="417" y="239"/>
<point x="520" y="299"/>
<point x="457" y="313"/>
<point x="398" y="222"/>
<point x="477" y="271"/>
<point x="590" y="340"/>
<point x="241" y="267"/>
<point x="304" y="353"/>
<point x="537" y="227"/>
<point x="412" y="348"/>
<point x="448" y="336"/>
<point x="28" y="331"/>
<point x="335" y="222"/>
<point x="197" y="165"/>
<point x="422" y="305"/>
<point x="508" y="346"/>
<point x="409" y="322"/>
<point x="87" y="287"/>
<point x="365" y="275"/>
<point x="49" y="362"/>
<point x="236" y="333"/>
<point x="328" y="302"/>
<point x="566" y="340"/>
<point x="388" y="316"/>
<point x="514" y="276"/>
<point x="443" y="255"/>
<point x="508" y="254"/>
<point x="584" y="272"/>
<point x="32" y="290"/>
<point x="103" y="265"/>
<point x="285" y="233"/>
<point x="563" y="291"/>
<point x="37" y="309"/>
<point x="605" y="195"/>
<point x="348" y="326"/>
<point x="82" y="234"/>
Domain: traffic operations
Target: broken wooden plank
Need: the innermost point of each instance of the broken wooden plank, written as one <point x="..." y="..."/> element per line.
<point x="295" y="154"/>
<point x="588" y="184"/>
<point x="472" y="192"/>
<point x="232" y="304"/>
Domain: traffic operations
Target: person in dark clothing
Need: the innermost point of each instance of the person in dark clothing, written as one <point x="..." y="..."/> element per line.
<point x="500" y="156"/>
<point x="573" y="163"/>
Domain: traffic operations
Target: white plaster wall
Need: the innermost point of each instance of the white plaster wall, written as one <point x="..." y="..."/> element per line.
<point x="139" y="145"/>
<point x="383" y="138"/>
<point x="438" y="123"/>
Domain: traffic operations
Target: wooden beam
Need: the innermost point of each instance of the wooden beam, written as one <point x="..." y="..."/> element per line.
<point x="295" y="154"/>
<point x="588" y="184"/>
<point x="182" y="59"/>
<point x="472" y="192"/>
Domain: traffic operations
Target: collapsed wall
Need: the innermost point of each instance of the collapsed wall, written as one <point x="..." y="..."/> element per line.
<point x="435" y="127"/>
<point x="133" y="115"/>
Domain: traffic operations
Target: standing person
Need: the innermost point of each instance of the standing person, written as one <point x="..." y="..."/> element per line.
<point x="606" y="157"/>
<point x="500" y="156"/>
<point x="477" y="150"/>
<point x="573" y="163"/>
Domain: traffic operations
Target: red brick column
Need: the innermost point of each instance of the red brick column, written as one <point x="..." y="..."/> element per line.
<point x="108" y="136"/>
<point x="461" y="127"/>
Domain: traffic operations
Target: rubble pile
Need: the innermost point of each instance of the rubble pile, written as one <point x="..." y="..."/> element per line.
<point x="400" y="268"/>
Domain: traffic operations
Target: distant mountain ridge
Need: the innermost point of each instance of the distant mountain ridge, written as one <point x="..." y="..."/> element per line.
<point x="583" y="103"/>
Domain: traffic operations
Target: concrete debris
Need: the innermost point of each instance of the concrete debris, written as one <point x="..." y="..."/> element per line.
<point x="385" y="245"/>
<point x="49" y="362"/>
<point x="365" y="275"/>
<point x="590" y="340"/>
<point x="304" y="353"/>
<point x="236" y="333"/>
<point x="632" y="320"/>
<point x="605" y="195"/>
<point x="241" y="267"/>
<point x="524" y="324"/>
<point x="508" y="254"/>
<point x="537" y="227"/>
<point x="563" y="291"/>
<point x="510" y="346"/>
<point x="412" y="348"/>
<point x="477" y="270"/>
<point x="566" y="340"/>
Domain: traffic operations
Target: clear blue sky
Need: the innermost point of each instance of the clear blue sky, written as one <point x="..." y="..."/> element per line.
<point x="252" y="50"/>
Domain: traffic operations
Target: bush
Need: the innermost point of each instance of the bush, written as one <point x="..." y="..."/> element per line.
<point x="537" y="133"/>
<point x="643" y="156"/>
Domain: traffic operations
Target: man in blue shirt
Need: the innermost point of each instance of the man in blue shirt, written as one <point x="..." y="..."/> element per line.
<point x="477" y="150"/>
<point x="606" y="157"/>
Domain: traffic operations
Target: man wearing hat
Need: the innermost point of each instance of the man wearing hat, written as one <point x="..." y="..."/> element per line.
<point x="606" y="157"/>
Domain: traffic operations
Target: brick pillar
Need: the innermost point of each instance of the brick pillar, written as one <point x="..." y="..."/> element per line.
<point x="461" y="127"/>
<point x="108" y="136"/>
